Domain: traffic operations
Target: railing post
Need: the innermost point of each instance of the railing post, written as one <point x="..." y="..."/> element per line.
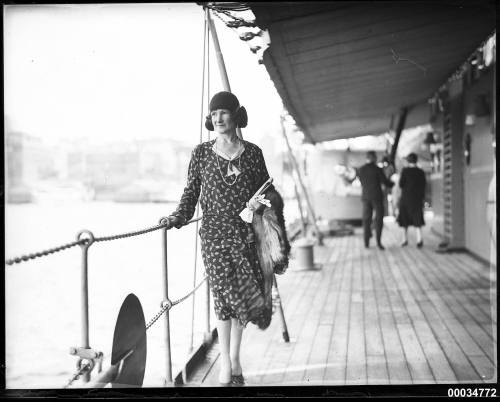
<point x="168" y="355"/>
<point x="85" y="294"/>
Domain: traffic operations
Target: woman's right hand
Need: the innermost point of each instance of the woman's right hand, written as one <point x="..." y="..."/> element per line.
<point x="173" y="221"/>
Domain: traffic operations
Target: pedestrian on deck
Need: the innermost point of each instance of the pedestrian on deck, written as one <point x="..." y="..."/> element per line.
<point x="411" y="203"/>
<point x="372" y="178"/>
<point x="224" y="174"/>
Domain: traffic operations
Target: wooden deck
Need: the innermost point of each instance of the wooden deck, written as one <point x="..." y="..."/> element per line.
<point x="399" y="316"/>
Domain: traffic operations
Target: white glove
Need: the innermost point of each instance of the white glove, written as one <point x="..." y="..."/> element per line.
<point x="247" y="213"/>
<point x="262" y="200"/>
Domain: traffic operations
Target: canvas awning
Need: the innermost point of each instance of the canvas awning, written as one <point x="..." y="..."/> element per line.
<point x="345" y="69"/>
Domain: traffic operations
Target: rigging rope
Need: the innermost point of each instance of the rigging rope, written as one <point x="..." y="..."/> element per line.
<point x="236" y="22"/>
<point x="205" y="37"/>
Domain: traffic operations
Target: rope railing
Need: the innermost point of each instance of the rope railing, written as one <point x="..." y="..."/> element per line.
<point x="82" y="242"/>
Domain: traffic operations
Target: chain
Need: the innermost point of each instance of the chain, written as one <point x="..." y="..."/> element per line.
<point x="77" y="375"/>
<point x="81" y="242"/>
<point x="131" y="234"/>
<point x="167" y="304"/>
<point x="44" y="253"/>
<point x="190" y="293"/>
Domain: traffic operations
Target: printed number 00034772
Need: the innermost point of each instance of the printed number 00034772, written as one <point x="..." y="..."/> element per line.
<point x="472" y="392"/>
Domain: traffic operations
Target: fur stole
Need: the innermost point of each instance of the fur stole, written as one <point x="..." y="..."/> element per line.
<point x="273" y="247"/>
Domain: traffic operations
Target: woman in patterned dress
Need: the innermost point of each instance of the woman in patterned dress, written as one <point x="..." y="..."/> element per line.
<point x="224" y="174"/>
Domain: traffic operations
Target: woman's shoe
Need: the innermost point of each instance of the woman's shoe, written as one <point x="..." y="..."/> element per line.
<point x="404" y="244"/>
<point x="420" y="244"/>
<point x="238" y="380"/>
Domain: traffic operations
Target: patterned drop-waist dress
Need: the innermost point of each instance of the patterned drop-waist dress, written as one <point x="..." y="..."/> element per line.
<point x="227" y="242"/>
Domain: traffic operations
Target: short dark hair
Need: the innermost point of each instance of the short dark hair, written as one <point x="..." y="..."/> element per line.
<point x="229" y="101"/>
<point x="371" y="155"/>
<point x="412" y="158"/>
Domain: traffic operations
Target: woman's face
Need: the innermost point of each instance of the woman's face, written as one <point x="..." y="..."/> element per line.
<point x="223" y="121"/>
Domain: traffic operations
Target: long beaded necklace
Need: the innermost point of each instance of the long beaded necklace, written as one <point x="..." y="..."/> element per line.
<point x="228" y="165"/>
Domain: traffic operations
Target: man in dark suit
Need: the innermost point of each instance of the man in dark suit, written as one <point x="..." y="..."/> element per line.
<point x="372" y="178"/>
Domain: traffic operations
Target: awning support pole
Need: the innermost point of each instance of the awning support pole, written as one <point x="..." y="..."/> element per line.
<point x="399" y="130"/>
<point x="296" y="167"/>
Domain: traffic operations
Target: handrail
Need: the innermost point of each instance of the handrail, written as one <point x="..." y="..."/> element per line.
<point x="85" y="243"/>
<point x="81" y="242"/>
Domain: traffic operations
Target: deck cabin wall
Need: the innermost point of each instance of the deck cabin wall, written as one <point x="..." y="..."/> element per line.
<point x="479" y="169"/>
<point x="461" y="212"/>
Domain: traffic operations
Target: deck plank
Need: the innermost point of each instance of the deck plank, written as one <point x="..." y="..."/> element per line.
<point x="450" y="277"/>
<point x="277" y="350"/>
<point x="397" y="365"/>
<point x="447" y="268"/>
<point x="451" y="334"/>
<point x="455" y="307"/>
<point x="431" y="348"/>
<point x="399" y="316"/>
<point x="335" y="372"/>
<point x="416" y="359"/>
<point x="278" y="355"/>
<point x="317" y="361"/>
<point x="310" y="309"/>
<point x="376" y="360"/>
<point x="356" y="350"/>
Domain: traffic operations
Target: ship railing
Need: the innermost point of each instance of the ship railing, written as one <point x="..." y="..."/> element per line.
<point x="89" y="358"/>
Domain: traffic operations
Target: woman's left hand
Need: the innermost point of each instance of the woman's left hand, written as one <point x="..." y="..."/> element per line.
<point x="254" y="205"/>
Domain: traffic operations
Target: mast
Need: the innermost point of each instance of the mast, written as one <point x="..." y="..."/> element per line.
<point x="220" y="59"/>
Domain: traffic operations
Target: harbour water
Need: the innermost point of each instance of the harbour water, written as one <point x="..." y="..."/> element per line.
<point x="43" y="296"/>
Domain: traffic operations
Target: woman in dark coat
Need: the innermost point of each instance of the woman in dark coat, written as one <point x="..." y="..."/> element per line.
<point x="411" y="203"/>
<point x="224" y="175"/>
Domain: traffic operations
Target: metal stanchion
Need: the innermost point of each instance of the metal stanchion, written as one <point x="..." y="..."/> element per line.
<point x="168" y="355"/>
<point x="85" y="295"/>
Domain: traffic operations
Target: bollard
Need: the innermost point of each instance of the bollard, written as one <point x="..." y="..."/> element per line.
<point x="304" y="252"/>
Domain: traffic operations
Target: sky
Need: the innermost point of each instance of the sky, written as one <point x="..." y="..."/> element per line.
<point x="123" y="71"/>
